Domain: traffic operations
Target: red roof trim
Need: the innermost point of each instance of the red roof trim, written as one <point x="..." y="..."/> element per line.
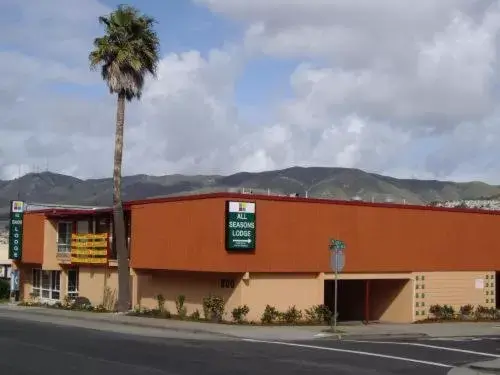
<point x="251" y="197"/>
<point x="60" y="212"/>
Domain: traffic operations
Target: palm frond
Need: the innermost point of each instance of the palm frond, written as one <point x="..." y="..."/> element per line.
<point x="127" y="52"/>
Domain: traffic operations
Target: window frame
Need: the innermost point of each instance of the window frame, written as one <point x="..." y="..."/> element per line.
<point x="51" y="289"/>
<point x="64" y="247"/>
<point x="72" y="294"/>
<point x="36" y="276"/>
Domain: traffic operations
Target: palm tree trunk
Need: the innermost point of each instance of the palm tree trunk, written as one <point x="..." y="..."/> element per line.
<point x="118" y="216"/>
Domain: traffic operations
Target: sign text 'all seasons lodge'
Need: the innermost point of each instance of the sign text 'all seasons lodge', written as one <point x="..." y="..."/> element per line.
<point x="240" y="225"/>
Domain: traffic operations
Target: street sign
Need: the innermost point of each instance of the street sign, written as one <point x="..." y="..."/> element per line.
<point x="337" y="261"/>
<point x="336" y="245"/>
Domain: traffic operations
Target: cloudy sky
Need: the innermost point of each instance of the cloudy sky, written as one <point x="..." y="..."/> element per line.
<point x="409" y="89"/>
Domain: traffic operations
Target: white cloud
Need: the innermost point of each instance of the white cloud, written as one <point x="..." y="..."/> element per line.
<point x="375" y="80"/>
<point x="403" y="72"/>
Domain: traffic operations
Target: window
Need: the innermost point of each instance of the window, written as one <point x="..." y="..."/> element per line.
<point x="46" y="284"/>
<point x="35" y="281"/>
<point x="55" y="284"/>
<point x="64" y="230"/>
<point x="102" y="225"/>
<point x="72" y="283"/>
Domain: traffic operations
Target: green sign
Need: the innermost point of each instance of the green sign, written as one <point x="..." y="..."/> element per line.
<point x="337" y="245"/>
<point x="240" y="226"/>
<point x="16" y="230"/>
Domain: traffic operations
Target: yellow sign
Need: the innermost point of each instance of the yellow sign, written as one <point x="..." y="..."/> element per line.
<point x="89" y="248"/>
<point x="88" y="244"/>
<point x="90" y="252"/>
<point x="89" y="260"/>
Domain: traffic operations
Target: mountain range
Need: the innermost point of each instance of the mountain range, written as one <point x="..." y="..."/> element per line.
<point x="318" y="182"/>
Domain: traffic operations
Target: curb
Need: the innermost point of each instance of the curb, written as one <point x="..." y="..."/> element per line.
<point x="126" y="323"/>
<point x="484" y="369"/>
<point x="369" y="337"/>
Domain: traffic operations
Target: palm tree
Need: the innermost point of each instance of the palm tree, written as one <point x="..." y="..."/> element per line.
<point x="126" y="53"/>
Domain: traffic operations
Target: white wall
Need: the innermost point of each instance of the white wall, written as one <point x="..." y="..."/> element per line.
<point x="4" y="254"/>
<point x="4" y="260"/>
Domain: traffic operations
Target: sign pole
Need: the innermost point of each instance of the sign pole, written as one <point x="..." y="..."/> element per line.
<point x="337" y="262"/>
<point x="335" y="299"/>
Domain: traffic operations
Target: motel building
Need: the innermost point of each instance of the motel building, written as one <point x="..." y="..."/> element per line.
<point x="258" y="250"/>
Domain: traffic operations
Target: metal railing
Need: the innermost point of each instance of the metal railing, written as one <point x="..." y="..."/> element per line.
<point x="63" y="247"/>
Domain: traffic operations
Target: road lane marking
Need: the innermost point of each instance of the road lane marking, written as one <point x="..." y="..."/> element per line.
<point x="428" y="346"/>
<point x="369" y="354"/>
<point x="454" y="339"/>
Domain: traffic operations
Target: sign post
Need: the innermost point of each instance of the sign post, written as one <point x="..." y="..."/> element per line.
<point x="16" y="230"/>
<point x="240" y="226"/>
<point x="337" y="263"/>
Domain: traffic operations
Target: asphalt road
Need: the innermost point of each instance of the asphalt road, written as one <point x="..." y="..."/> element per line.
<point x="28" y="347"/>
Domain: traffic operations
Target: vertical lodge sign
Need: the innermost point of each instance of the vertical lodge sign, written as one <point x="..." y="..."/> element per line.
<point x="89" y="248"/>
<point x="16" y="230"/>
<point x="240" y="225"/>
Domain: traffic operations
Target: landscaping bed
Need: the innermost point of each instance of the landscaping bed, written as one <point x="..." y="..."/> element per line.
<point x="213" y="311"/>
<point x="466" y="314"/>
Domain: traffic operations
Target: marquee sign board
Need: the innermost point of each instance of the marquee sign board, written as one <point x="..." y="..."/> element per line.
<point x="16" y="229"/>
<point x="240" y="225"/>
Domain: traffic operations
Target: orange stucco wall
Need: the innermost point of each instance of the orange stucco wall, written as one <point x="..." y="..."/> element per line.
<point x="33" y="238"/>
<point x="292" y="236"/>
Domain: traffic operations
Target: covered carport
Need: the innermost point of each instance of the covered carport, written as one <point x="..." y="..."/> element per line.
<point x="371" y="297"/>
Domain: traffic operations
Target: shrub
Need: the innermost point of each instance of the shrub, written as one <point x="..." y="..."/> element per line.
<point x="239" y="313"/>
<point x="213" y="308"/>
<point x="4" y="289"/>
<point x="437" y="311"/>
<point x="318" y="314"/>
<point x="442" y="311"/>
<point x="100" y="308"/>
<point x="270" y="314"/>
<point x="448" y="312"/>
<point x="160" y="301"/>
<point x="483" y="312"/>
<point x="179" y="305"/>
<point x="56" y="305"/>
<point x="81" y="303"/>
<point x="165" y="314"/>
<point x="195" y="315"/>
<point x="292" y="315"/>
<point x="467" y="310"/>
<point x="109" y="299"/>
<point x="67" y="302"/>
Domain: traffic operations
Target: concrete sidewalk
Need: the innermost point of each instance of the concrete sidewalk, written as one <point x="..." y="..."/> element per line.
<point x="423" y="330"/>
<point x="282" y="333"/>
<point x="479" y="368"/>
